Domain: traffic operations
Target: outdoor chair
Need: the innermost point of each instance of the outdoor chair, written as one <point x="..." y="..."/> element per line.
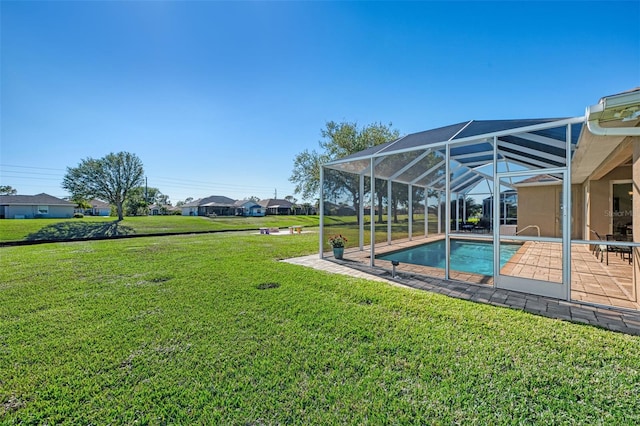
<point x="599" y="249"/>
<point x="622" y="251"/>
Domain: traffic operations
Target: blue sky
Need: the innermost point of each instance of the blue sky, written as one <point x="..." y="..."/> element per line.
<point x="216" y="98"/>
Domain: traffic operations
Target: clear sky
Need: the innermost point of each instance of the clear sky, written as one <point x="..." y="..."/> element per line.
<point x="216" y="98"/>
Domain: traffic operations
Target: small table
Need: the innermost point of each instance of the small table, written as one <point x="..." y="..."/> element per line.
<point x="296" y="229"/>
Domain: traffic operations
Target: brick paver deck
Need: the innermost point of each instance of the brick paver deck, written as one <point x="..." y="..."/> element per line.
<point x="590" y="278"/>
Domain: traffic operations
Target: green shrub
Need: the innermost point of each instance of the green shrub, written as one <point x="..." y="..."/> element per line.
<point x="78" y="215"/>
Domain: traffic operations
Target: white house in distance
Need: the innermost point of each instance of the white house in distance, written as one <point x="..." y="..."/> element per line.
<point x="249" y="208"/>
<point x="34" y="206"/>
<point x="99" y="208"/>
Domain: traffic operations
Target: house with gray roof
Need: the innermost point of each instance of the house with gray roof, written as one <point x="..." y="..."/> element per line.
<point x="249" y="208"/>
<point x="215" y="205"/>
<point x="98" y="208"/>
<point x="277" y="206"/>
<point x="34" y="206"/>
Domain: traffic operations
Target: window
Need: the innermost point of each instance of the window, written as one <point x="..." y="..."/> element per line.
<point x="43" y="209"/>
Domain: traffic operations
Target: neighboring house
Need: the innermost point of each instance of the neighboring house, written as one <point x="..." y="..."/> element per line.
<point x="305" y="209"/>
<point x="508" y="207"/>
<point x="338" y="209"/>
<point x="249" y="208"/>
<point x="98" y="208"/>
<point x="159" y="210"/>
<point x="34" y="206"/>
<point x="276" y="206"/>
<point x="215" y="205"/>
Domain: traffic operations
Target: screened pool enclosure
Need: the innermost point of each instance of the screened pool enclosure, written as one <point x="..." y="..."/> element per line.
<point x="499" y="183"/>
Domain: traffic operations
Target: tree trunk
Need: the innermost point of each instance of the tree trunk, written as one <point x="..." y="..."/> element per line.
<point x="119" y="209"/>
<point x="395" y="212"/>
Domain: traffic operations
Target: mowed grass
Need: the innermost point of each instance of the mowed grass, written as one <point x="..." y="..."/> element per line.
<point x="213" y="329"/>
<point x="101" y="227"/>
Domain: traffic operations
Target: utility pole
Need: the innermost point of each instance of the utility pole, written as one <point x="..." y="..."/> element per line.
<point x="146" y="191"/>
<point x="275" y="193"/>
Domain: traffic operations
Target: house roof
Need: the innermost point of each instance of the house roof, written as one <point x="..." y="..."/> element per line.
<point x="99" y="204"/>
<point x="248" y="204"/>
<point x="275" y="203"/>
<point x="539" y="180"/>
<point x="419" y="158"/>
<point x="212" y="201"/>
<point x="33" y="200"/>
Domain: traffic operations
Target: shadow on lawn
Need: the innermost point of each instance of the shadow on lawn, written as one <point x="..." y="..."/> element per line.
<point x="80" y="230"/>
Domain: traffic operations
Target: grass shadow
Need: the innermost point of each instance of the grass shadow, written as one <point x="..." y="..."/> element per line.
<point x="80" y="230"/>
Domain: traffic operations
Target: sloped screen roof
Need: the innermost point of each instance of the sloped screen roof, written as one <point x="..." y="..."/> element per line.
<point x="527" y="143"/>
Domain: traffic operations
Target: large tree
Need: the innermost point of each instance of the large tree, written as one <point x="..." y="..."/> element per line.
<point x="109" y="178"/>
<point x="141" y="197"/>
<point x="7" y="190"/>
<point x="339" y="140"/>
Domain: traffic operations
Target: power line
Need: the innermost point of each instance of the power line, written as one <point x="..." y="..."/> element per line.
<point x="168" y="183"/>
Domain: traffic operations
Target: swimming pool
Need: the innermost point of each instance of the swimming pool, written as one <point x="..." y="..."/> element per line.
<point x="466" y="255"/>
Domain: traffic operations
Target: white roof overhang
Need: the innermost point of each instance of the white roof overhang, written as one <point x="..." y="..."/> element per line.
<point x="605" y="142"/>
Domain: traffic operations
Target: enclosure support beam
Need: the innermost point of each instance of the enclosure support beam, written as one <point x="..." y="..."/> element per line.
<point x="566" y="218"/>
<point x="372" y="228"/>
<point x="426" y="211"/>
<point x="410" y="210"/>
<point x="447" y="211"/>
<point x="361" y="215"/>
<point x="389" y="209"/>
<point x="504" y="209"/>
<point x="495" y="200"/>
<point x="321" y="205"/>
<point x="439" y="212"/>
<point x="457" y="212"/>
<point x="464" y="208"/>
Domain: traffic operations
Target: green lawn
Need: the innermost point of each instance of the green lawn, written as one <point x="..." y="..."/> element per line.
<point x="212" y="329"/>
<point x="91" y="226"/>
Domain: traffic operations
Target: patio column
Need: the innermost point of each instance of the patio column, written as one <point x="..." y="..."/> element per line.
<point x="636" y="210"/>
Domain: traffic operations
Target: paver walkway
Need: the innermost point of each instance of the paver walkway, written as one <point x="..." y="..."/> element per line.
<point x="616" y="319"/>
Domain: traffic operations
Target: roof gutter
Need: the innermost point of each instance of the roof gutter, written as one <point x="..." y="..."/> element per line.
<point x="625" y="107"/>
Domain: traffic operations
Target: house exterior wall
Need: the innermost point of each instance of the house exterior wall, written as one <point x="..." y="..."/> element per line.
<point x="600" y="200"/>
<point x="190" y="211"/>
<point x="31" y="212"/>
<point x="257" y="212"/>
<point x="577" y="214"/>
<point x="539" y="205"/>
<point x="101" y="211"/>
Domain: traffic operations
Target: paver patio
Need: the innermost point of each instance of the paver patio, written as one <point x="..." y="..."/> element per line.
<point x="592" y="281"/>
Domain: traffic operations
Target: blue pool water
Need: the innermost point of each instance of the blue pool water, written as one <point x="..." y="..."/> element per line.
<point x="466" y="256"/>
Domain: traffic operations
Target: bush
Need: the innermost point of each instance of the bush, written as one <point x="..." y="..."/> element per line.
<point x="78" y="215"/>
